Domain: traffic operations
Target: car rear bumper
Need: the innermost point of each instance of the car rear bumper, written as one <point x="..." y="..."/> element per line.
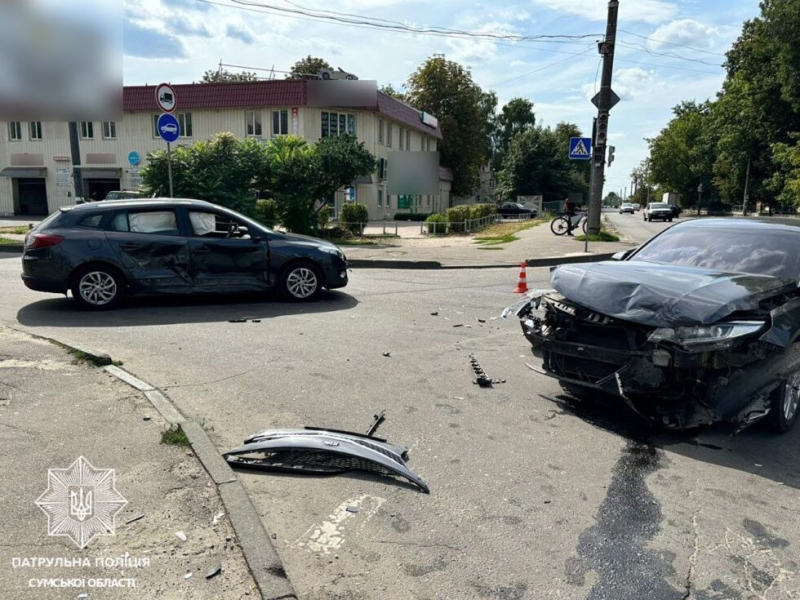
<point x="43" y="274"/>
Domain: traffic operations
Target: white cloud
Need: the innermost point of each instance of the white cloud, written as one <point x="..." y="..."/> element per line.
<point x="648" y="11"/>
<point x="629" y="84"/>
<point x="478" y="49"/>
<point x="683" y="31"/>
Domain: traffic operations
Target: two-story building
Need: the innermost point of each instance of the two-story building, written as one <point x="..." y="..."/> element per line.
<point x="36" y="166"/>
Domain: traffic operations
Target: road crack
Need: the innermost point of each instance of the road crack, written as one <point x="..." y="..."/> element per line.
<point x="693" y="557"/>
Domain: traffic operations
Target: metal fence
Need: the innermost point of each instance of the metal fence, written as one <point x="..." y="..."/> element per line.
<point x="466" y="226"/>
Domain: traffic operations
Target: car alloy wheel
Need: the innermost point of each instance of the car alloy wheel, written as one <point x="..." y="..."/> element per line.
<point x="301" y="282"/>
<point x="97" y="288"/>
<point x="790" y="398"/>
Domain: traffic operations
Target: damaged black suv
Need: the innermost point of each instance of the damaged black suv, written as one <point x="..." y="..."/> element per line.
<point x="699" y="325"/>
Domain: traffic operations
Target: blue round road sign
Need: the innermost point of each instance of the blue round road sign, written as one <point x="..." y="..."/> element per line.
<point x="133" y="158"/>
<point x="168" y="128"/>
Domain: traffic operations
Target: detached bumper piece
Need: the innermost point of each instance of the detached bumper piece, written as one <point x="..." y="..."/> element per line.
<point x="323" y="451"/>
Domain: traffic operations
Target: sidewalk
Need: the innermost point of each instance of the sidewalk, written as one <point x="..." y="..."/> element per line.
<point x="53" y="410"/>
<point x="535" y="245"/>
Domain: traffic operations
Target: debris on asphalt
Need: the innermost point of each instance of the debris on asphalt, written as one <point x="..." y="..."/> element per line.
<point x="481" y="320"/>
<point x="213" y="570"/>
<point x="459" y="325"/>
<point x="457" y="398"/>
<point x="314" y="450"/>
<point x="189" y="574"/>
<point x="134" y="519"/>
<point x="255" y="320"/>
<point x="181" y="536"/>
<point x="435" y="314"/>
<point x="377" y="420"/>
<point x="217" y="517"/>
<point x="237" y="321"/>
<point x="387" y="354"/>
<point x="483" y="380"/>
<point x="547" y="501"/>
<point x="352" y="509"/>
<point x="146" y="418"/>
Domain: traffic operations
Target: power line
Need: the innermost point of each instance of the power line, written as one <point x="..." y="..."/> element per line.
<point x="666" y="43"/>
<point x="542" y="68"/>
<point x="668" y="54"/>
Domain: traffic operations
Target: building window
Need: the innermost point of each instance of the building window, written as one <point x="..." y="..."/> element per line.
<point x="388" y="201"/>
<point x="428" y="144"/>
<point x="280" y="122"/>
<point x="36" y="130"/>
<point x="185" y="121"/>
<point x="408" y="139"/>
<point x="380" y="131"/>
<point x="87" y="130"/>
<point x="380" y="196"/>
<point x="389" y="128"/>
<point x="15" y="131"/>
<point x="252" y="123"/>
<point x="401" y="138"/>
<point x="337" y="123"/>
<point x="109" y="130"/>
<point x="155" y="126"/>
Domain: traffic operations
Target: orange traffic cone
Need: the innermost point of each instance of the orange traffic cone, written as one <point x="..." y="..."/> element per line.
<point x="522" y="284"/>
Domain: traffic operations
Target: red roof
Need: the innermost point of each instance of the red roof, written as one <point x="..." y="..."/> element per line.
<point x="250" y="94"/>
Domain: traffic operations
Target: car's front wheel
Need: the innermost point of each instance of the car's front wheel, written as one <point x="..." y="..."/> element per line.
<point x="786" y="404"/>
<point x="301" y="282"/>
<point x="98" y="287"/>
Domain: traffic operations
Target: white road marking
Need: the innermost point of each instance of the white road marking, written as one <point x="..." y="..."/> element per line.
<point x="329" y="536"/>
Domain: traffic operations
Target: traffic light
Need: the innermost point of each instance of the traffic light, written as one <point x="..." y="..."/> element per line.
<point x="602" y="130"/>
<point x="611" y="150"/>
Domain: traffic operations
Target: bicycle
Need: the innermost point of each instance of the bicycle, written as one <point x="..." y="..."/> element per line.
<point x="560" y="225"/>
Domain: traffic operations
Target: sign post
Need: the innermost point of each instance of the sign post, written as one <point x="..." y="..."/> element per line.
<point x="170" y="130"/>
<point x="168" y="127"/>
<point x="581" y="149"/>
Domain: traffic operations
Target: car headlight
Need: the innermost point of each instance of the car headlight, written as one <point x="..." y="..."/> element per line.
<point x="334" y="251"/>
<point x="719" y="334"/>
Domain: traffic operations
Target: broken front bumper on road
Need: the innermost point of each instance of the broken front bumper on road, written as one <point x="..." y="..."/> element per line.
<point x="678" y="377"/>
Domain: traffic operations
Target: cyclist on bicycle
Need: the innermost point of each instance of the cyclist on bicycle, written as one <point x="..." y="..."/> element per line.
<point x="569" y="212"/>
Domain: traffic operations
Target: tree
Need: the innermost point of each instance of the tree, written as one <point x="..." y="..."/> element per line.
<point x="225" y="76"/>
<point x="537" y="164"/>
<point x="389" y="90"/>
<point x="232" y="172"/>
<point x="489" y="112"/>
<point x="307" y="68"/>
<point x="612" y="199"/>
<point x="445" y="89"/>
<point x="515" y="117"/>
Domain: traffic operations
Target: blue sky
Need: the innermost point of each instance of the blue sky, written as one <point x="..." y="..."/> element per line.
<point x="668" y="51"/>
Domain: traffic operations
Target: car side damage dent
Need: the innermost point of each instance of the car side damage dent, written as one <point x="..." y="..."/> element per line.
<point x="312" y="450"/>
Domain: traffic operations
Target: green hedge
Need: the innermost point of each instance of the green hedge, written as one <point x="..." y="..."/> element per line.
<point x="440" y="227"/>
<point x="411" y="217"/>
<point x="266" y="211"/>
<point x="354" y="216"/>
<point x="458" y="214"/>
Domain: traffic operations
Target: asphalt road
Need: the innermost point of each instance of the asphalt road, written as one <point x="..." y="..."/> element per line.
<point x="532" y="494"/>
<point x="635" y="228"/>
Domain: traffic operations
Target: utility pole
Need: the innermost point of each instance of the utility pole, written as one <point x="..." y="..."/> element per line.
<point x="603" y="107"/>
<point x="746" y="184"/>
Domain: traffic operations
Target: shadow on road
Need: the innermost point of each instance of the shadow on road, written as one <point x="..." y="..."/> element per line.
<point x="777" y="456"/>
<point x="171" y="310"/>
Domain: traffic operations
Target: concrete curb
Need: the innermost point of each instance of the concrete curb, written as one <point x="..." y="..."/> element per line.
<point x="260" y="554"/>
<point x="551" y="261"/>
<point x="12" y="248"/>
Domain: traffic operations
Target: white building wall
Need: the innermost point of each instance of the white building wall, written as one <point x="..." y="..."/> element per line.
<point x="135" y="132"/>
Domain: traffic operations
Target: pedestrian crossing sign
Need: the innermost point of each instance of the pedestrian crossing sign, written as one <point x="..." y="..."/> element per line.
<point x="580" y="148"/>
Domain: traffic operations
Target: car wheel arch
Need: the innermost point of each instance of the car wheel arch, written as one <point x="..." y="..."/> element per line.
<point x="96" y="263"/>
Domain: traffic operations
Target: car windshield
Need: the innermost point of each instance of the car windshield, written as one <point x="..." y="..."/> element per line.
<point x="731" y="250"/>
<point x="658" y="205"/>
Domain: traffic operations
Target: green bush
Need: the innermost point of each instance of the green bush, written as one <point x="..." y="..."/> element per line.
<point x="266" y="211"/>
<point x="440" y="226"/>
<point x="411" y="216"/>
<point x="456" y="217"/>
<point x="324" y="216"/>
<point x="336" y="232"/>
<point x="354" y="216"/>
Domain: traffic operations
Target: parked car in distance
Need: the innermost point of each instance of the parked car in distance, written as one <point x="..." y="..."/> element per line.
<point x="699" y="325"/>
<point x="676" y="210"/>
<point x="626" y="207"/>
<point x="514" y="209"/>
<point x="103" y="251"/>
<point x="657" y="210"/>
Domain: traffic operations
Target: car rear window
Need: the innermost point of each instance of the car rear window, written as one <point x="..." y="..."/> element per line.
<point x="91" y="221"/>
<point x="50" y="222"/>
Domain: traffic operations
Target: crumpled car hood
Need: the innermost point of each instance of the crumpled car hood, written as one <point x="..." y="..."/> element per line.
<point x="661" y="295"/>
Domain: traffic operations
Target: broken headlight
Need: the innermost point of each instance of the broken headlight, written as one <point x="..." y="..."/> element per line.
<point x="718" y="336"/>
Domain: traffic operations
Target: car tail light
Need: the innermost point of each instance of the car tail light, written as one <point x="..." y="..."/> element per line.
<point x="42" y="240"/>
